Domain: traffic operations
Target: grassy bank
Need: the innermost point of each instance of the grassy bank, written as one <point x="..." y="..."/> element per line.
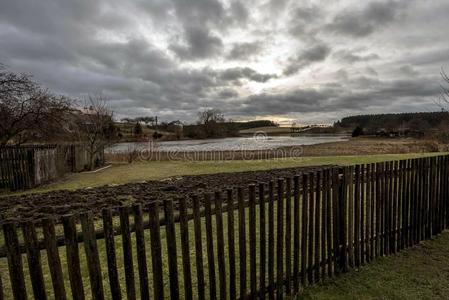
<point x="421" y="272"/>
<point x="120" y="173"/>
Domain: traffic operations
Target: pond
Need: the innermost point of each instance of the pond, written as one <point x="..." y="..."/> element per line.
<point x="257" y="142"/>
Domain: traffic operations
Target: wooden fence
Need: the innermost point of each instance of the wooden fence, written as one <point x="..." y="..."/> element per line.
<point x="27" y="166"/>
<point x="262" y="241"/>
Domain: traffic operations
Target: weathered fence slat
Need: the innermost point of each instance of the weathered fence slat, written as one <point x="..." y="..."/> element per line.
<point x="242" y="242"/>
<point x="317" y="214"/>
<point x="288" y="236"/>
<point x="14" y="261"/>
<point x="54" y="262"/>
<point x="198" y="246"/>
<point x="280" y="240"/>
<point x="141" y="252"/>
<point x="127" y="253"/>
<point x="270" y="239"/>
<point x="114" y="282"/>
<point x="231" y="244"/>
<point x="351" y="215"/>
<point x="156" y="251"/>
<point x="185" y="248"/>
<point x="171" y="249"/>
<point x="263" y="241"/>
<point x="296" y="233"/>
<point x="252" y="241"/>
<point x="220" y="244"/>
<point x="34" y="260"/>
<point x="93" y="260"/>
<point x="311" y="236"/>
<point x="210" y="247"/>
<point x="73" y="258"/>
<point x="304" y="229"/>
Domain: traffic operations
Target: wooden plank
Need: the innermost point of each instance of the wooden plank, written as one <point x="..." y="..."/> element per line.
<point x="127" y="253"/>
<point x="343" y="221"/>
<point x="2" y="296"/>
<point x="362" y="214"/>
<point x="323" y="224"/>
<point x="15" y="264"/>
<point x="198" y="247"/>
<point x="231" y="244"/>
<point x="288" y="236"/>
<point x="171" y="249"/>
<point x="185" y="249"/>
<point x="93" y="260"/>
<point x="108" y="227"/>
<point x="296" y="233"/>
<point x="156" y="252"/>
<point x="263" y="241"/>
<point x="351" y="216"/>
<point x="401" y="205"/>
<point x="141" y="252"/>
<point x="210" y="247"/>
<point x="34" y="260"/>
<point x="381" y="215"/>
<point x="280" y="240"/>
<point x="317" y="214"/>
<point x="368" y="206"/>
<point x="220" y="245"/>
<point x="252" y="240"/>
<point x="73" y="259"/>
<point x="304" y="228"/>
<point x="311" y="237"/>
<point x="335" y="221"/>
<point x="329" y="229"/>
<point x="388" y="208"/>
<point x="270" y="239"/>
<point x="242" y="242"/>
<point x="357" y="224"/>
<point x="394" y="236"/>
<point x="408" y="204"/>
<point x="54" y="262"/>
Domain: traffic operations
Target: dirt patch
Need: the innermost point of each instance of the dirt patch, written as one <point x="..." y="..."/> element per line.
<point x="58" y="203"/>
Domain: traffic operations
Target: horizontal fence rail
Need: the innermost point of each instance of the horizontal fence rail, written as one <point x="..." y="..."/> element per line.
<point x="267" y="240"/>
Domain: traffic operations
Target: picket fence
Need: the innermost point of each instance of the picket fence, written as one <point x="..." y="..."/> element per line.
<point x="267" y="240"/>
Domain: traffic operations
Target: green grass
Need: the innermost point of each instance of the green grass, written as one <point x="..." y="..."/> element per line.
<point x="421" y="272"/>
<point x="120" y="173"/>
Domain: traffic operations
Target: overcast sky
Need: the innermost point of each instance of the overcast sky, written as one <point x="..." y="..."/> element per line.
<point x="304" y="61"/>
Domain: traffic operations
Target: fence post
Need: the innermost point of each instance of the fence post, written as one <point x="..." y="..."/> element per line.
<point x="15" y="265"/>
<point x="171" y="249"/>
<point x="343" y="218"/>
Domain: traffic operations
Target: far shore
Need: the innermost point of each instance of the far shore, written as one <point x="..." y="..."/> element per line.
<point x="352" y="146"/>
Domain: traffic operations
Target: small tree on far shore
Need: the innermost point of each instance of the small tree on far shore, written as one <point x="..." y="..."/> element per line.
<point x="138" y="129"/>
<point x="95" y="126"/>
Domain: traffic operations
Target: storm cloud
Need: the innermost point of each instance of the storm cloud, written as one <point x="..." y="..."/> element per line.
<point x="304" y="61"/>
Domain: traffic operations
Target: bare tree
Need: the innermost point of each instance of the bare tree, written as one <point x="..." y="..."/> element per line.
<point x="95" y="127"/>
<point x="209" y="119"/>
<point x="29" y="112"/>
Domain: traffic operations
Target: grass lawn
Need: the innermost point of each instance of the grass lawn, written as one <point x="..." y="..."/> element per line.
<point x="421" y="272"/>
<point x="120" y="173"/>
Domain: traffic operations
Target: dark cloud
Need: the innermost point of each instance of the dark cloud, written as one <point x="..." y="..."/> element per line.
<point x="228" y="93"/>
<point x="303" y="20"/>
<point x="352" y="57"/>
<point x="363" y="22"/>
<point x="235" y="74"/>
<point x="316" y="53"/>
<point x="243" y="51"/>
<point x="200" y="43"/>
